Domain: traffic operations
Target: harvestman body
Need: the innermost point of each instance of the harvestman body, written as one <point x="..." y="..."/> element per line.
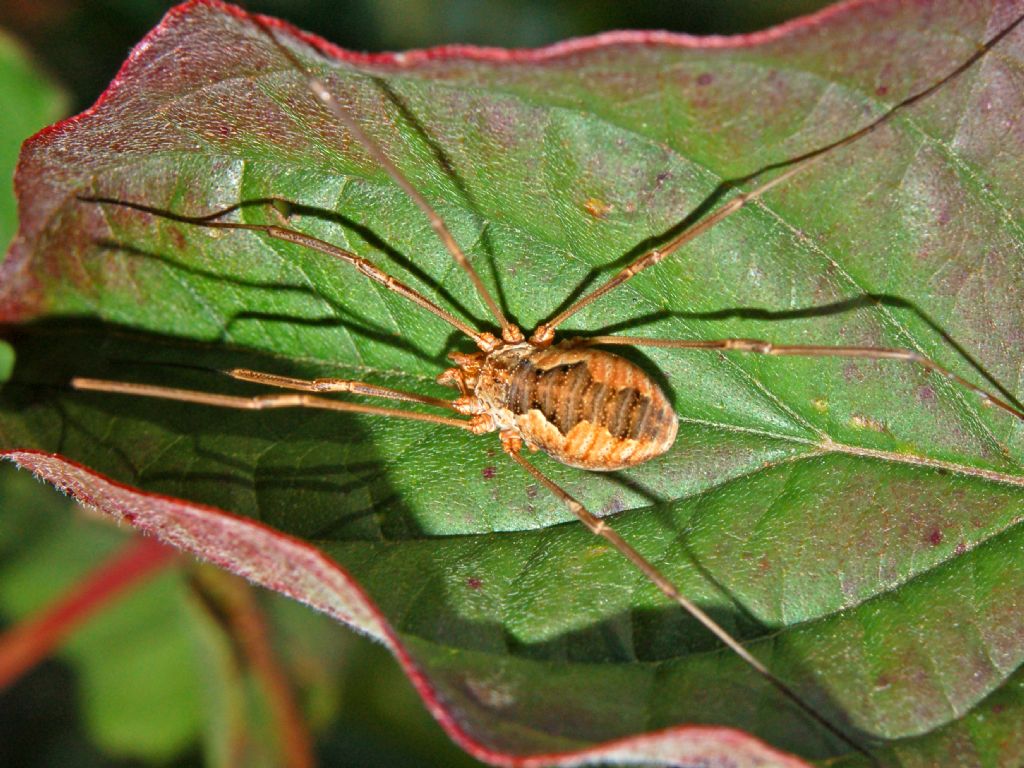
<point x="583" y="406"/>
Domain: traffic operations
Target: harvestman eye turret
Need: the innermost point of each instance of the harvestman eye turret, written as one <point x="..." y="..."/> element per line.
<point x="583" y="406"/>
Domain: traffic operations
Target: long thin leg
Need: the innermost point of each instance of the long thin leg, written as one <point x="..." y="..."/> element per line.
<point x="599" y="527"/>
<point x="509" y="331"/>
<point x="759" y="347"/>
<point x="484" y="341"/>
<point x="335" y="385"/>
<point x="545" y="332"/>
<point x="259" y="402"/>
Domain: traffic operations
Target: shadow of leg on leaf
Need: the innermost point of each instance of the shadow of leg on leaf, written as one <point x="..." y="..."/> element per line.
<point x="301" y="471"/>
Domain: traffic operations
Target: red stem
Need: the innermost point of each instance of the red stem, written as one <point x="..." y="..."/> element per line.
<point x="251" y="633"/>
<point x="30" y="641"/>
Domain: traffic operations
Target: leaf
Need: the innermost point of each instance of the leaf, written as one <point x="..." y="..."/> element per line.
<point x="855" y="524"/>
<point x="139" y="637"/>
<point x="31" y="103"/>
<point x="139" y="665"/>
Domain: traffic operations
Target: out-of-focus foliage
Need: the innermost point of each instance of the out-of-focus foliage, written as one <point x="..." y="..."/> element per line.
<point x="144" y="681"/>
<point x="28" y="101"/>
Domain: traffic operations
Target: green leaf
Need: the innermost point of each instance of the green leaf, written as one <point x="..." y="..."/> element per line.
<point x="30" y="102"/>
<point x="855" y="524"/>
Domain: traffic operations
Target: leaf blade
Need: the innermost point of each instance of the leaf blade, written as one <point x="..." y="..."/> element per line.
<point x="764" y="438"/>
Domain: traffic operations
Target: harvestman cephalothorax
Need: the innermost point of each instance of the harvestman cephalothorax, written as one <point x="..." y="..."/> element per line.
<point x="582" y="405"/>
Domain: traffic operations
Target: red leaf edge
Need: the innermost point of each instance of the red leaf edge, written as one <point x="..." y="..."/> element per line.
<point x="280" y="562"/>
<point x="410" y="59"/>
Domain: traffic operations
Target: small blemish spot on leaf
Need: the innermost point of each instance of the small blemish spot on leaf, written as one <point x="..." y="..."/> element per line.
<point x="613" y="506"/>
<point x="881" y="90"/>
<point x="490" y="693"/>
<point x="178" y="239"/>
<point x="820" y="404"/>
<point x="704" y="79"/>
<point x="935" y="537"/>
<point x="489" y="473"/>
<point x="866" y="422"/>
<point x="596" y="208"/>
<point x="474" y="583"/>
<point x="852" y="374"/>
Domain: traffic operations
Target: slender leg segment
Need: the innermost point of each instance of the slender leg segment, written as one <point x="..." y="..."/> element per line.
<point x="336" y="385"/>
<point x="509" y="332"/>
<point x="759" y="347"/>
<point x="545" y="332"/>
<point x="260" y="402"/>
<point x="484" y="341"/>
<point x="599" y="527"/>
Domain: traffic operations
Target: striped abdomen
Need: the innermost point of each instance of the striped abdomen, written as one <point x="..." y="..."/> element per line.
<point x="589" y="408"/>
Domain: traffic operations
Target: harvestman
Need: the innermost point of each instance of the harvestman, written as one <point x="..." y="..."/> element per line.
<point x="583" y="406"/>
